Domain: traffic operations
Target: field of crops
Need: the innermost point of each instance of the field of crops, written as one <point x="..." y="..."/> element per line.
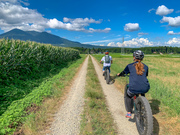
<point x="26" y="75"/>
<point x="163" y="77"/>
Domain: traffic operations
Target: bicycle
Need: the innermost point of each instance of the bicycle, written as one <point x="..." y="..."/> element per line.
<point x="107" y="75"/>
<point x="142" y="112"/>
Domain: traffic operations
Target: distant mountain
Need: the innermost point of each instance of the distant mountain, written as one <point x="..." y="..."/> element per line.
<point x="43" y="37"/>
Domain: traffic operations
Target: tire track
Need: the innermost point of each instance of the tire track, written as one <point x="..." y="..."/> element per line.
<point x="67" y="119"/>
<point x="115" y="101"/>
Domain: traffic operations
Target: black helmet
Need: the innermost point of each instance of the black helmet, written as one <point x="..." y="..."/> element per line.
<point x="138" y="54"/>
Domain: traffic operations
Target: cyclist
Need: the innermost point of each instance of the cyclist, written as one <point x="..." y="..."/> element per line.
<point x="107" y="61"/>
<point x="138" y="82"/>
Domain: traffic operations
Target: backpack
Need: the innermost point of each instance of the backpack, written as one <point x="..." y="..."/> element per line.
<point x="107" y="59"/>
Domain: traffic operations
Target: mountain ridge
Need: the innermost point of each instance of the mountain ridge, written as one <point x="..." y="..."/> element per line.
<point x="44" y="37"/>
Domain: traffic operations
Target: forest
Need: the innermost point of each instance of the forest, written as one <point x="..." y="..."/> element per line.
<point x="146" y="50"/>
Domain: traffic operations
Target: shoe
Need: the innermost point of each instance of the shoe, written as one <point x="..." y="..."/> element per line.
<point x="128" y="115"/>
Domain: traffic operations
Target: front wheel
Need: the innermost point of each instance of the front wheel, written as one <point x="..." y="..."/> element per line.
<point x="143" y="116"/>
<point x="107" y="76"/>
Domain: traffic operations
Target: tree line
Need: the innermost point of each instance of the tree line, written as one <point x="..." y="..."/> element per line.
<point x="146" y="50"/>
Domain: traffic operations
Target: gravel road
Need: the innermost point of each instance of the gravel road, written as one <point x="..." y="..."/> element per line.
<point x="115" y="101"/>
<point x="67" y="119"/>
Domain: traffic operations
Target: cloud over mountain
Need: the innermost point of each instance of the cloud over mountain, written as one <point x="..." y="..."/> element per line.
<point x="13" y="15"/>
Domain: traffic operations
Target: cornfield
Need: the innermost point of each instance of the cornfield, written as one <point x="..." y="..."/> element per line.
<point x="20" y="57"/>
<point x="27" y="71"/>
<point x="23" y="65"/>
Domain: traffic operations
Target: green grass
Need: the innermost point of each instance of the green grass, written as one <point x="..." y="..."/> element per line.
<point x="39" y="122"/>
<point x="96" y="119"/>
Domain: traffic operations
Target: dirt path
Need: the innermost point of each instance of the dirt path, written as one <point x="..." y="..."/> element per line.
<point x="67" y="119"/>
<point x="115" y="101"/>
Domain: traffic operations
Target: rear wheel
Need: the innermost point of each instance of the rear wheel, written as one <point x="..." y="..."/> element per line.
<point x="143" y="116"/>
<point x="125" y="97"/>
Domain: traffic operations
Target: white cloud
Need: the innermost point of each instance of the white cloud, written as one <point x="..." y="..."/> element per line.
<point x="77" y="24"/>
<point x="172" y="33"/>
<point x="49" y="31"/>
<point x="118" y="44"/>
<point x="135" y="42"/>
<point x="111" y="44"/>
<point x="163" y="10"/>
<point x="131" y="27"/>
<point x="108" y="40"/>
<point x="13" y="15"/>
<point x="103" y="41"/>
<point x="16" y="2"/>
<point x="141" y="33"/>
<point x="174" y="42"/>
<point x="91" y="30"/>
<point x="16" y="16"/>
<point x="138" y="42"/>
<point x="127" y="36"/>
<point x="151" y="10"/>
<point x="178" y="11"/>
<point x="174" y="22"/>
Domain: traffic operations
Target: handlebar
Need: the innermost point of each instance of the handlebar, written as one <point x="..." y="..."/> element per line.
<point x="124" y="75"/>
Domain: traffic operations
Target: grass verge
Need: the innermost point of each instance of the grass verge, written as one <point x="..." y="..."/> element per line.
<point x="96" y="119"/>
<point x="164" y="93"/>
<point x="32" y="114"/>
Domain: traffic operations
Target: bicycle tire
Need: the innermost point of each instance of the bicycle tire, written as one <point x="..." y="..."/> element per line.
<point x="143" y="116"/>
<point x="107" y="76"/>
<point x="125" y="97"/>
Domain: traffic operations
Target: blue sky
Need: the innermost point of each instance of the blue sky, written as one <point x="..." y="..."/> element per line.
<point x="98" y="22"/>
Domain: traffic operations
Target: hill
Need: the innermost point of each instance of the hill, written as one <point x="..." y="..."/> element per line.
<point x="43" y="37"/>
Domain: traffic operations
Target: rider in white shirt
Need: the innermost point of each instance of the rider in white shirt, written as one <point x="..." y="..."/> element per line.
<point x="107" y="61"/>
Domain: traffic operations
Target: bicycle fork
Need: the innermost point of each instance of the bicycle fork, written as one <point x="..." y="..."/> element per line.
<point x="134" y="98"/>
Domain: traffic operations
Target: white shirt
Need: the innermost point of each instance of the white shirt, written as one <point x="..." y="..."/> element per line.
<point x="106" y="64"/>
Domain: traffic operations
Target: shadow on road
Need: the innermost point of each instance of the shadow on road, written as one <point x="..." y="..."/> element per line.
<point x="112" y="79"/>
<point x="155" y="126"/>
<point x="154" y="103"/>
